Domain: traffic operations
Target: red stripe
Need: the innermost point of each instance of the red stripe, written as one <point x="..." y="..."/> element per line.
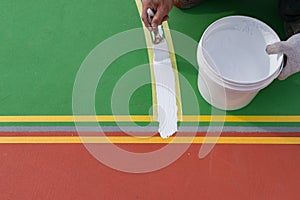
<point x="201" y="134"/>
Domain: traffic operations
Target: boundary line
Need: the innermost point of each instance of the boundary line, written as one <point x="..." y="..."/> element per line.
<point x="150" y="56"/>
<point x="148" y="140"/>
<point x="175" y="69"/>
<point x="146" y="118"/>
<point x="148" y="129"/>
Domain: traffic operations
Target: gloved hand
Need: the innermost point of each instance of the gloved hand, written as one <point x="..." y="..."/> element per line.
<point x="291" y="48"/>
<point x="162" y="9"/>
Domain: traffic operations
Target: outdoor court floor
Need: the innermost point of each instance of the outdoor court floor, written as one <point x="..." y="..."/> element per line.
<point x="78" y="115"/>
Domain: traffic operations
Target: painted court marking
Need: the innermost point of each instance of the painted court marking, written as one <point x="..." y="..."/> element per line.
<point x="151" y="58"/>
<point x="146" y="118"/>
<point x="147" y="140"/>
<point x="151" y="140"/>
<point x="147" y="129"/>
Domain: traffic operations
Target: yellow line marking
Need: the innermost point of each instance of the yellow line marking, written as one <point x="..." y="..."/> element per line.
<point x="173" y="61"/>
<point x="230" y="118"/>
<point x="150" y="56"/>
<point x="175" y="69"/>
<point x="104" y="118"/>
<point x="151" y="140"/>
<point x="146" y="118"/>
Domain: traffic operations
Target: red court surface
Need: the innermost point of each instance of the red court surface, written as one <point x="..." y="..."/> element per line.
<point x="69" y="171"/>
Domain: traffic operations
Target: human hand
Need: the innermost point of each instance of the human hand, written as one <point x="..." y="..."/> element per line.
<point x="291" y="48"/>
<point x="162" y="9"/>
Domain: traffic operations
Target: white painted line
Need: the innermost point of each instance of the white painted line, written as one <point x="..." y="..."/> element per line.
<point x="165" y="89"/>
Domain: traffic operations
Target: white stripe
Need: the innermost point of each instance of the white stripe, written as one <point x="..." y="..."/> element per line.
<point x="165" y="89"/>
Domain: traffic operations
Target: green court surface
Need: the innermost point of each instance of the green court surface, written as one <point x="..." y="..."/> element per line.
<point x="43" y="44"/>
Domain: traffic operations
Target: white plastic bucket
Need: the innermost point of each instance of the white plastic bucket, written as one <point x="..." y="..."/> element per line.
<point x="233" y="63"/>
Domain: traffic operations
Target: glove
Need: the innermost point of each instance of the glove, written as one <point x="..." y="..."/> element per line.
<point x="291" y="48"/>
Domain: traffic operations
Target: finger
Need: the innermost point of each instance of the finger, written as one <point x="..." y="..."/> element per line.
<point x="158" y="17"/>
<point x="287" y="71"/>
<point x="165" y="18"/>
<point x="145" y="18"/>
<point x="276" y="48"/>
<point x="145" y="6"/>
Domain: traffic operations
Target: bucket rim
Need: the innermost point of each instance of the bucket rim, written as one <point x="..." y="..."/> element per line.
<point x="232" y="81"/>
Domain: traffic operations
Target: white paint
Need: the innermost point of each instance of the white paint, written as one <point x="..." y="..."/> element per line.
<point x="233" y="63"/>
<point x="165" y="89"/>
<point x="238" y="56"/>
